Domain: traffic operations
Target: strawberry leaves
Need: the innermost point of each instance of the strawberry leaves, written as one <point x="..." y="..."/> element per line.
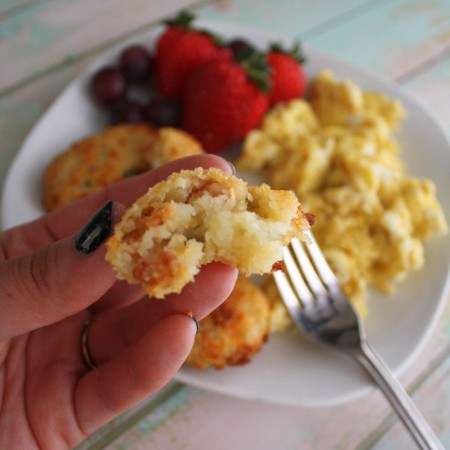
<point x="183" y="20"/>
<point x="255" y="66"/>
<point x="295" y="52"/>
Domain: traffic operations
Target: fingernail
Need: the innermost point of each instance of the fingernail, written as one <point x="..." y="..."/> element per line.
<point x="197" y="325"/>
<point x="233" y="169"/>
<point x="96" y="230"/>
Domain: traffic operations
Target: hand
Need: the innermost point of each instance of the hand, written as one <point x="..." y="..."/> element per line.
<point x="48" y="398"/>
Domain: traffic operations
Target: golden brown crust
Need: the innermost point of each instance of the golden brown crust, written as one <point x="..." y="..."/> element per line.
<point x="116" y="153"/>
<point x="235" y="332"/>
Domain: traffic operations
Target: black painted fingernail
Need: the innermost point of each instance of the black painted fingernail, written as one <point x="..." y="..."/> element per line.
<point x="96" y="230"/>
<point x="197" y="325"/>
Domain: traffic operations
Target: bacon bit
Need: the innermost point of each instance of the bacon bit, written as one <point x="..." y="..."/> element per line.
<point x="152" y="272"/>
<point x="194" y="193"/>
<point x="137" y="232"/>
<point x="278" y="265"/>
<point x="150" y="217"/>
<point x="139" y="270"/>
<point x="168" y="258"/>
<point x="213" y="188"/>
<point x="311" y="218"/>
<point x="154" y="217"/>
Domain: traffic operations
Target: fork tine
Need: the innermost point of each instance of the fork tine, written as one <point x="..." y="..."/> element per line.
<point x="287" y="293"/>
<point x="296" y="277"/>
<point x="310" y="273"/>
<point x="320" y="263"/>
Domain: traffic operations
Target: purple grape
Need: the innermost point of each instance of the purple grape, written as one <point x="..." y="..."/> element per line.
<point x="163" y="111"/>
<point x="108" y="85"/>
<point x="127" y="111"/>
<point x="136" y="63"/>
<point x="240" y="46"/>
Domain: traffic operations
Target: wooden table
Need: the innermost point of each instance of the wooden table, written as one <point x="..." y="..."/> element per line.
<point x="44" y="44"/>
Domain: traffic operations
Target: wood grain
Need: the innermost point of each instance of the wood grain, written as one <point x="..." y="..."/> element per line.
<point x="48" y="34"/>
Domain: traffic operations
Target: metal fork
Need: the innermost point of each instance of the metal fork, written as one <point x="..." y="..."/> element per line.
<point x="323" y="314"/>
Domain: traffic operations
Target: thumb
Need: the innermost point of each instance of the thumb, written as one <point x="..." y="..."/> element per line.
<point x="60" y="280"/>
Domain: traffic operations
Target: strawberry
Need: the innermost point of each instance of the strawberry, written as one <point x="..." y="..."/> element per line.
<point x="224" y="99"/>
<point x="288" y="77"/>
<point x="180" y="50"/>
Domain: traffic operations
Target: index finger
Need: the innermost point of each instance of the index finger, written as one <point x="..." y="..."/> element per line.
<point x="66" y="221"/>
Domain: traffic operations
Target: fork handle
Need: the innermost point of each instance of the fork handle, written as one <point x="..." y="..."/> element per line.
<point x="398" y="397"/>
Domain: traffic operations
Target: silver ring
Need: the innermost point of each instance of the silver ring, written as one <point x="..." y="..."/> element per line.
<point x="85" y="352"/>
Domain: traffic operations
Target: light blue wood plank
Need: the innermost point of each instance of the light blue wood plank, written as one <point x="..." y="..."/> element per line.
<point x="432" y="87"/>
<point x="303" y="15"/>
<point x="393" y="39"/>
<point x="9" y="7"/>
<point x="34" y="35"/>
<point x="46" y="34"/>
<point x="146" y="417"/>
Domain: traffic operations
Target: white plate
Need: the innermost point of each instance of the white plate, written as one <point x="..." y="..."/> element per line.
<point x="288" y="370"/>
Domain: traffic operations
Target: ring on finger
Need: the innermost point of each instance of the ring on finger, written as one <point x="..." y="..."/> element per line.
<point x="85" y="351"/>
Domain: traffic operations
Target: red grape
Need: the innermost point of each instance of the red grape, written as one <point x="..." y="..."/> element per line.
<point x="108" y="85"/>
<point x="127" y="111"/>
<point x="240" y="47"/>
<point x="164" y="111"/>
<point x="136" y="63"/>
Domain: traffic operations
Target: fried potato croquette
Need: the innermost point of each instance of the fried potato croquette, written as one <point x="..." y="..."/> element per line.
<point x="116" y="153"/>
<point x="235" y="332"/>
<point x="198" y="216"/>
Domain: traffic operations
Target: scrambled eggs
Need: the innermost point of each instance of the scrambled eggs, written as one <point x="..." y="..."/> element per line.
<point x="338" y="153"/>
